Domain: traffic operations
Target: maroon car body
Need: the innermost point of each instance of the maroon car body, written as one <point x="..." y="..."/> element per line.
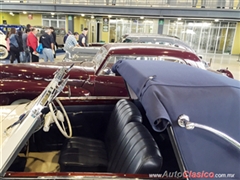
<point x="87" y="79"/>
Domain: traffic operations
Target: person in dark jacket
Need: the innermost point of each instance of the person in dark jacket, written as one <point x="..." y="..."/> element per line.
<point x="26" y="55"/>
<point x="54" y="39"/>
<point x="20" y="44"/>
<point x="83" y="38"/>
<point x="48" y="45"/>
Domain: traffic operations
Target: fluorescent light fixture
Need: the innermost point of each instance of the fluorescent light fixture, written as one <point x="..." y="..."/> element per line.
<point x="24" y="12"/>
<point x="82" y="15"/>
<point x="11" y="14"/>
<point x="179" y="19"/>
<point x="109" y="16"/>
<point x="141" y="17"/>
<point x="52" y="14"/>
<point x="216" y="20"/>
<point x="92" y="16"/>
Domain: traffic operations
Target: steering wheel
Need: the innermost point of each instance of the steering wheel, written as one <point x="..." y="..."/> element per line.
<point x="58" y="116"/>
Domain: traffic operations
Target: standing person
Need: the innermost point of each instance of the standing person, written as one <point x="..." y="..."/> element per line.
<point x="20" y="44"/>
<point x="83" y="38"/>
<point x="194" y="3"/>
<point x="48" y="45"/>
<point x="14" y="46"/>
<point x="26" y="55"/>
<point x="203" y="3"/>
<point x="32" y="43"/>
<point x="221" y="4"/>
<point x="8" y="42"/>
<point x="238" y="6"/>
<point x="54" y="39"/>
<point x="231" y="4"/>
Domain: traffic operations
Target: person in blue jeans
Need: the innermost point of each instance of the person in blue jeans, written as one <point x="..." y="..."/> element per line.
<point x="26" y="52"/>
<point x="48" y="46"/>
<point x="14" y="46"/>
<point x="203" y="3"/>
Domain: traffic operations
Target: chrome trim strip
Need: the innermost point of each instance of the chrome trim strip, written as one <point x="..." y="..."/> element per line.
<point x="184" y="121"/>
<point x="94" y="98"/>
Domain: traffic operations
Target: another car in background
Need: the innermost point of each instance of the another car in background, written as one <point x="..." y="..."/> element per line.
<point x="24" y="82"/>
<point x="3" y="47"/>
<point x="7" y="27"/>
<point x="158" y="39"/>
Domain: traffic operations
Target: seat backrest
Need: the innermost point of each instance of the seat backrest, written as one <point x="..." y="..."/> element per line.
<point x="135" y="152"/>
<point x="124" y="112"/>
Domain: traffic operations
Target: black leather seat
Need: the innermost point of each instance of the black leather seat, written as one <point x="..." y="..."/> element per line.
<point x="81" y="154"/>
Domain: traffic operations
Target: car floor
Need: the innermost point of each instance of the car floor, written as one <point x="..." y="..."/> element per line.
<point x="42" y="162"/>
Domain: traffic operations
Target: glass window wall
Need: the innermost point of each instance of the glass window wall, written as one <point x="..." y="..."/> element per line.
<point x="57" y="21"/>
<point x="203" y="36"/>
<point x="120" y="27"/>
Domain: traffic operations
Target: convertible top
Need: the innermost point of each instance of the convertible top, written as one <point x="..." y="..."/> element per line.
<point x="167" y="90"/>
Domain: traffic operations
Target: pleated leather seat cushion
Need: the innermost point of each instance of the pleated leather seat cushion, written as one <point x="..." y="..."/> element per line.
<point x="135" y="152"/>
<point x="91" y="155"/>
<point x="86" y="155"/>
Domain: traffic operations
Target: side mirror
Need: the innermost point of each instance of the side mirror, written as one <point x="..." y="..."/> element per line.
<point x="107" y="71"/>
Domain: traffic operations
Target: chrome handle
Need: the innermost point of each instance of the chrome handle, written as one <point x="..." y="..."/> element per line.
<point x="184" y="121"/>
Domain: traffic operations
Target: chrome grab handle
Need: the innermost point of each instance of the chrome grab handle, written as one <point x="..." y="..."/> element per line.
<point x="184" y="121"/>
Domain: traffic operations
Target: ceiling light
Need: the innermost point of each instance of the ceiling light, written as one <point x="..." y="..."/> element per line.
<point x="82" y="15"/>
<point x="109" y="16"/>
<point x="24" y="12"/>
<point x="92" y="17"/>
<point x="216" y="20"/>
<point x="52" y="14"/>
<point x="11" y="14"/>
<point x="179" y="19"/>
<point x="141" y="17"/>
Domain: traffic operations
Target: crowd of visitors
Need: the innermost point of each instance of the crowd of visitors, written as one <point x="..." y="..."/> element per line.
<point x="24" y="46"/>
<point x="74" y="40"/>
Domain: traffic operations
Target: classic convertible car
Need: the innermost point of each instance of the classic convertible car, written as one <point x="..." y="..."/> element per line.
<point x="23" y="82"/>
<point x="172" y="126"/>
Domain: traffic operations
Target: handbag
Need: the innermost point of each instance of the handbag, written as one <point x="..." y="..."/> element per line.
<point x="40" y="48"/>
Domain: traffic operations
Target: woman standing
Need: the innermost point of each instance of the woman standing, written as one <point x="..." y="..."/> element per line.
<point x="14" y="46"/>
<point x="32" y="43"/>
